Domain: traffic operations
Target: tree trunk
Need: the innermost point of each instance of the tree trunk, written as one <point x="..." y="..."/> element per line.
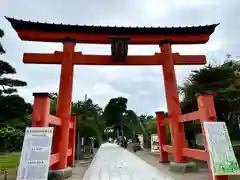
<point x="237" y="83"/>
<point x="99" y="139"/>
<point x="122" y="133"/>
<point x="118" y="138"/>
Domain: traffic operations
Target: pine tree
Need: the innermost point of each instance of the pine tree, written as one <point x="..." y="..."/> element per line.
<point x="8" y="85"/>
<point x="1" y="48"/>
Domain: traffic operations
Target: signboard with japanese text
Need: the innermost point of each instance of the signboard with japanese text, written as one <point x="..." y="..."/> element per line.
<point x="223" y="160"/>
<point x="36" y="151"/>
<point x="154" y="143"/>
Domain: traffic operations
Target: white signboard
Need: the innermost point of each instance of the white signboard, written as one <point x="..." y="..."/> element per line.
<point x="223" y="160"/>
<point x="140" y="137"/>
<point x="35" y="156"/>
<point x="154" y="143"/>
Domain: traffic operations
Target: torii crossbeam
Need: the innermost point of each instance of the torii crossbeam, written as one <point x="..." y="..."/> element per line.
<point x="81" y="59"/>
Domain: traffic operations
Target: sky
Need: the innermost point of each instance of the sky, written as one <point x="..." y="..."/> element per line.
<point x="143" y="86"/>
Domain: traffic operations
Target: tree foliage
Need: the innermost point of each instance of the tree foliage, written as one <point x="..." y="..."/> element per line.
<point x="223" y="81"/>
<point x="8" y="85"/>
<point x="13" y="107"/>
<point x="114" y="111"/>
<point x="114" y="121"/>
<point x="89" y="119"/>
<point x="10" y="139"/>
<point x="14" y="111"/>
<point x="123" y="121"/>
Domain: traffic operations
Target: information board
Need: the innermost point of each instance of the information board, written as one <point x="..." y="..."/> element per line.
<point x="141" y="139"/>
<point x="154" y="143"/>
<point x="223" y="160"/>
<point x="35" y="156"/>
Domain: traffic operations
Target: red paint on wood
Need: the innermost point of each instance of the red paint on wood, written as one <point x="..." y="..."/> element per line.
<point x="173" y="104"/>
<point x="195" y="154"/>
<point x="65" y="101"/>
<point x="80" y="59"/>
<point x="69" y="152"/>
<point x="70" y="125"/>
<point x="54" y="159"/>
<point x="165" y="122"/>
<point x="168" y="148"/>
<point x="207" y="109"/>
<point x="54" y="120"/>
<point x="33" y="35"/>
<point x="41" y="109"/>
<point x="162" y="139"/>
<point x="190" y="116"/>
<point x="72" y="135"/>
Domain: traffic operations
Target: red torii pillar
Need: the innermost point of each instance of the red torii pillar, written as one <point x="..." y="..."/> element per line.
<point x="65" y="100"/>
<point x="173" y="103"/>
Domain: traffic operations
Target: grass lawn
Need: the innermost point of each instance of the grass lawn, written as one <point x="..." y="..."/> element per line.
<point x="9" y="161"/>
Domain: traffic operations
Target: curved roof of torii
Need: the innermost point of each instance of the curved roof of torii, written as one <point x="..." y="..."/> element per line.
<point x="21" y="25"/>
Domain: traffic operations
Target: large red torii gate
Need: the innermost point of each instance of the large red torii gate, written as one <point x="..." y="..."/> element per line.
<point x="69" y="35"/>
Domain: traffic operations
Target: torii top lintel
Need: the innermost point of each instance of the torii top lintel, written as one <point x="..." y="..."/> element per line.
<point x="45" y="32"/>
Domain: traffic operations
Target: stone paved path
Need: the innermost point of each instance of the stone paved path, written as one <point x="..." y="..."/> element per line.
<point x="115" y="163"/>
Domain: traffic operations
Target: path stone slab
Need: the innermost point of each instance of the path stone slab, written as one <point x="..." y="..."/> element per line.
<point x="115" y="163"/>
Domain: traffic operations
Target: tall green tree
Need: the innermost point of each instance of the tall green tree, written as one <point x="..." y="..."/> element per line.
<point x="223" y="81"/>
<point x="122" y="120"/>
<point x="131" y="125"/>
<point x="90" y="122"/>
<point x="89" y="117"/>
<point x="8" y="85"/>
<point x="113" y="114"/>
<point x="14" y="111"/>
<point x="13" y="107"/>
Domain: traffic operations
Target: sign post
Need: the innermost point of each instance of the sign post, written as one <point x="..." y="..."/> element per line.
<point x="223" y="160"/>
<point x="36" y="151"/>
<point x="154" y="143"/>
